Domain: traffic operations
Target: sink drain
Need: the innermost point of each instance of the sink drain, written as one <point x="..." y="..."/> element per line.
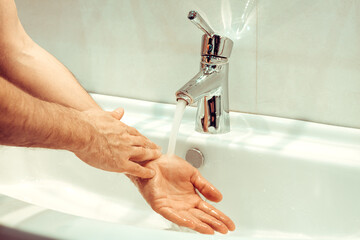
<point x="195" y="157"/>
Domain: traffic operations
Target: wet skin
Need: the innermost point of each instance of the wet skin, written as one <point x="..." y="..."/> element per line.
<point x="172" y="194"/>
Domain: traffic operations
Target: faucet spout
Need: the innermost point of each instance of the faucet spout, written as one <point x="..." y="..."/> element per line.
<point x="202" y="84"/>
<point x="209" y="88"/>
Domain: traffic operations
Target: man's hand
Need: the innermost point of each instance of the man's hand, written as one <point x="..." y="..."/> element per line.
<point x="172" y="194"/>
<point x="116" y="147"/>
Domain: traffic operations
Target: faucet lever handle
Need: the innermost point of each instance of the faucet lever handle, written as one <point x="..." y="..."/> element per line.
<point x="196" y="19"/>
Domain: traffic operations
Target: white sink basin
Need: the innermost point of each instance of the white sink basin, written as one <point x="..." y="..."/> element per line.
<point x="281" y="179"/>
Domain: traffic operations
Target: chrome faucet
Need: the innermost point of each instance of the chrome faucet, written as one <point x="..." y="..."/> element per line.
<point x="210" y="86"/>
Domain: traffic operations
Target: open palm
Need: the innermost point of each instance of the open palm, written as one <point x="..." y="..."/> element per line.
<point x="171" y="193"/>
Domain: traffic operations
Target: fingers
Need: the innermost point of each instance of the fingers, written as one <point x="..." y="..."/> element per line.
<point x="132" y="131"/>
<point x="175" y="217"/>
<point x="137" y="139"/>
<point x="117" y="113"/>
<point x="142" y="141"/>
<point x="143" y="149"/>
<point x="206" y="188"/>
<point x="199" y="226"/>
<point x="135" y="169"/>
<point x="140" y="154"/>
<point x="185" y="219"/>
<point x="212" y="211"/>
<point x="197" y="219"/>
<point x="209" y="220"/>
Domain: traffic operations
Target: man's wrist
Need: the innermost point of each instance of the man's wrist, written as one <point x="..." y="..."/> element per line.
<point x="82" y="133"/>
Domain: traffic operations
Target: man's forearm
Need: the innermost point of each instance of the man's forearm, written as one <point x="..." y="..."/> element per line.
<point x="30" y="122"/>
<point x="33" y="69"/>
<point x="95" y="136"/>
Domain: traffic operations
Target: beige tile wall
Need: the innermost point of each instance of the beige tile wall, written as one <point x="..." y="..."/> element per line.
<point x="294" y="59"/>
<point x="308" y="64"/>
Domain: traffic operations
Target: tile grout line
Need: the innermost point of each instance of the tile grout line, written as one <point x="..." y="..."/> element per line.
<point x="256" y="59"/>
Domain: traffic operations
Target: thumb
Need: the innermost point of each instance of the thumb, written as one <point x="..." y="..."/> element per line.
<point x="117" y="113"/>
<point x="137" y="170"/>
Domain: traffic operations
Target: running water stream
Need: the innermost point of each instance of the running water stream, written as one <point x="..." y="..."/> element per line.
<point x="180" y="108"/>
